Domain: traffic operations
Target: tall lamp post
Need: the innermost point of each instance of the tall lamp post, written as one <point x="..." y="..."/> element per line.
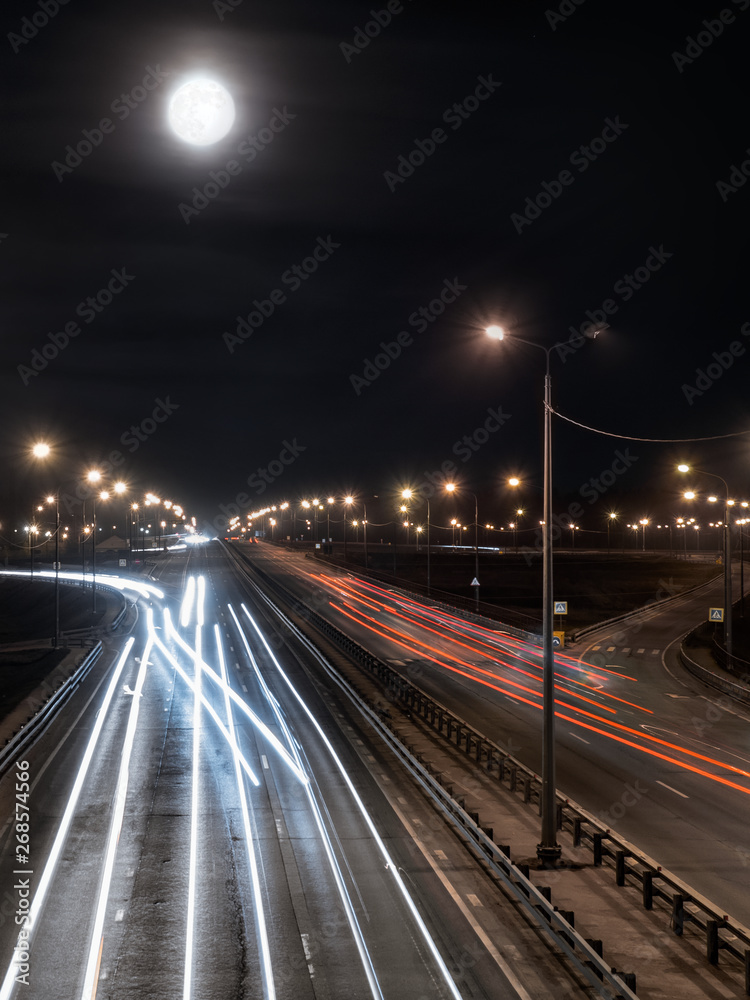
<point x="451" y="488"/>
<point x="727" y="555"/>
<point x="548" y="850"/>
<point x="348" y="501"/>
<point x="407" y="495"/>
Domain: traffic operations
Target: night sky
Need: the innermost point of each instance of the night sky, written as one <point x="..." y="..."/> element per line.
<point x="536" y="169"/>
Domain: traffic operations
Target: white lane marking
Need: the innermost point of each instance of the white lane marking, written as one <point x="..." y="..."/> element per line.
<point x="474" y="900"/>
<point x="402" y="800"/>
<point x="725" y="708"/>
<point x="596" y="647"/>
<point x="626" y="649"/>
<point x="119" y="915"/>
<point x="656" y="652"/>
<point x="473" y="922"/>
<point x="580" y="738"/>
<point x="384" y="777"/>
<point x="244" y="689"/>
<point x="442" y="855"/>
<point x="677" y="695"/>
<point x="611" y="649"/>
<point x="264" y="760"/>
<point x="639" y="651"/>
<point x="664" y="785"/>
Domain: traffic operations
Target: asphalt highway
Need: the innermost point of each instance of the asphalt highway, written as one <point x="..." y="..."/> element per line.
<point x="204" y="820"/>
<point x="656" y="755"/>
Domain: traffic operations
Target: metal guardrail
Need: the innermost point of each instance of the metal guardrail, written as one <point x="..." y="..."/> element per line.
<point x="43" y="716"/>
<point x="687" y="906"/>
<point x="559" y="925"/>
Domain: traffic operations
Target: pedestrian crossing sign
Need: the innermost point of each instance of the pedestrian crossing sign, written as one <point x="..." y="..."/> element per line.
<point x="716" y="614"/>
<point x="561" y="607"/>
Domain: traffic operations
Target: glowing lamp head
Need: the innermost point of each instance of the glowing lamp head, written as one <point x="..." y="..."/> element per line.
<point x="683" y="468"/>
<point x="514" y="481"/>
<point x="40" y="450"/>
<point x="496" y="332"/>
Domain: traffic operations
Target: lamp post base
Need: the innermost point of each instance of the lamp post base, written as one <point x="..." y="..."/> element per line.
<point x="547" y="855"/>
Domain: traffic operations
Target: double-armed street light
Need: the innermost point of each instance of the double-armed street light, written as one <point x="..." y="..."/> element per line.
<point x="548" y="850"/>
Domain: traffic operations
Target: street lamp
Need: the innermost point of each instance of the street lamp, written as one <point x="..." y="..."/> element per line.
<point x="42" y="450"/>
<point x="727" y="554"/>
<point x="348" y="501"/>
<point x="407" y="495"/>
<point x="643" y="522"/>
<point x="451" y="488"/>
<point x="610" y="518"/>
<point x="548" y="850"/>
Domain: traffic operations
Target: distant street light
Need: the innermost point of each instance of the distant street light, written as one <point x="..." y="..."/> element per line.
<point x="727" y="553"/>
<point x="452" y="488"/>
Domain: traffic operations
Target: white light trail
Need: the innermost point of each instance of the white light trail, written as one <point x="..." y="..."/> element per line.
<point x="269" y="988"/>
<point x="119" y="583"/>
<point x="243" y="706"/>
<point x="190" y="931"/>
<point x="62" y="832"/>
<point x="206" y="703"/>
<point x="187" y="602"/>
<point x="390" y="866"/>
<point x="97" y="936"/>
<point x="359" y="939"/>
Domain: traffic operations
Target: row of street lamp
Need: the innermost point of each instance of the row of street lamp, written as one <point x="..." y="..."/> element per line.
<point x="93" y="479"/>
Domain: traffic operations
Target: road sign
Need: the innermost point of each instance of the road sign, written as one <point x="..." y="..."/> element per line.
<point x="122" y="562"/>
<point x="561" y="607"/>
<point x="716" y="614"/>
<point x="558" y="639"/>
<point x="474" y="583"/>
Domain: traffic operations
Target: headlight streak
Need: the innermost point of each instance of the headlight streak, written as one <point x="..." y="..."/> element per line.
<point x="495" y="649"/>
<point x="389" y="864"/>
<point x="144" y="589"/>
<point x="205" y="702"/>
<point x="404" y="638"/>
<point x="195" y="799"/>
<point x="187" y="602"/>
<point x="354" y="926"/>
<point x="62" y="831"/>
<point x="243" y="706"/>
<point x="269" y="989"/>
<point x="581" y="711"/>
<point x="115" y="826"/>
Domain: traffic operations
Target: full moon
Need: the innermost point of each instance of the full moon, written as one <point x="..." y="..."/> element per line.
<point x="201" y="112"/>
